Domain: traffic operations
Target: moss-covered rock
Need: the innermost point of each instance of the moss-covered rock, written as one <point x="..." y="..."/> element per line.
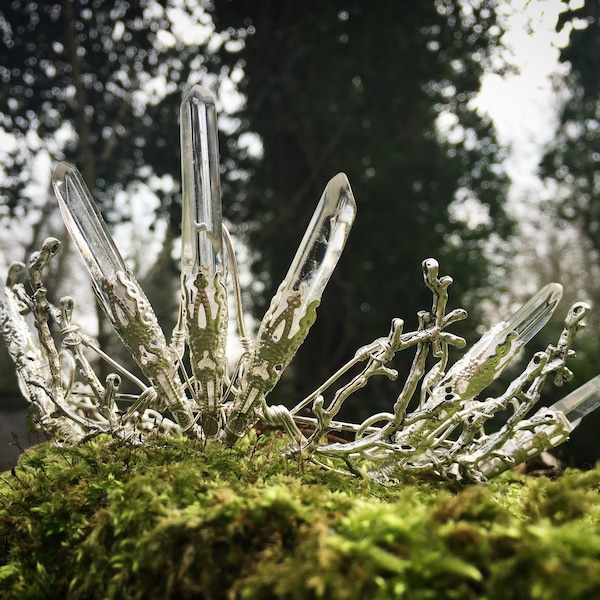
<point x="176" y="519"/>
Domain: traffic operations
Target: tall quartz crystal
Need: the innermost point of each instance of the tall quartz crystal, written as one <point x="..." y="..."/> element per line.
<point x="88" y="229"/>
<point x="120" y="295"/>
<point x="204" y="302"/>
<point x="202" y="246"/>
<point x="293" y="308"/>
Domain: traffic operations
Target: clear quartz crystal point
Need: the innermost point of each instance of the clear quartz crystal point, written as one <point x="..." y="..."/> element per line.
<point x="202" y="246"/>
<point x="204" y="302"/>
<point x="535" y="313"/>
<point x="87" y="228"/>
<point x="293" y="308"/>
<point x="490" y="355"/>
<point x="120" y="295"/>
<point x="580" y="402"/>
<point x="319" y="251"/>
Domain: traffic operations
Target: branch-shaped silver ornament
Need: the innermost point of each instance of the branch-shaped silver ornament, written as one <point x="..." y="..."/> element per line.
<point x="435" y="425"/>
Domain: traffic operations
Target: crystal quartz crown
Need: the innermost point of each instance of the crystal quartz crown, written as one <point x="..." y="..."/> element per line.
<point x="436" y="425"/>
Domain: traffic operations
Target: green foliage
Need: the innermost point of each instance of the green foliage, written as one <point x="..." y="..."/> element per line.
<point x="176" y="519"/>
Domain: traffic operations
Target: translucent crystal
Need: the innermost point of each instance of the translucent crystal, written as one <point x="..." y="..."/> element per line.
<point x="202" y="246"/>
<point x="535" y="313"/>
<point x="87" y="228"/>
<point x="490" y="355"/>
<point x="204" y="302"/>
<point x="293" y="308"/>
<point x="580" y="402"/>
<point x="121" y="297"/>
<point x="318" y="252"/>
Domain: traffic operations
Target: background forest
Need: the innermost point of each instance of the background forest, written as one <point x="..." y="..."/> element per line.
<point x="384" y="91"/>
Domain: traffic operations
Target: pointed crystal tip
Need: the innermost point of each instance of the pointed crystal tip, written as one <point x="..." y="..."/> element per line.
<point x="200" y="94"/>
<point x="580" y="402"/>
<point x="61" y="170"/>
<point x="338" y="188"/>
<point x="86" y="225"/>
<point x="337" y="182"/>
<point x="535" y="313"/>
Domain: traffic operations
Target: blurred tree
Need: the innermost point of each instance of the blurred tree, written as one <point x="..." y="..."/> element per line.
<point x="571" y="166"/>
<point x="381" y="91"/>
<point x="573" y="160"/>
<point x="99" y="83"/>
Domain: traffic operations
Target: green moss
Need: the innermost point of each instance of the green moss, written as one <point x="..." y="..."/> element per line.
<point x="175" y="519"/>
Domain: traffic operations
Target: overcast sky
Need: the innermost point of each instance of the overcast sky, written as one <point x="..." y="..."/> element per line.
<point x="523" y="105"/>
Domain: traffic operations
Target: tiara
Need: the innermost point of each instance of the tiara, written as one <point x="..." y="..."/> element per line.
<point x="440" y="423"/>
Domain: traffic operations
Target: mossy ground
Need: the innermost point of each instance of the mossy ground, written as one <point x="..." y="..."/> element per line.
<point x="175" y="519"/>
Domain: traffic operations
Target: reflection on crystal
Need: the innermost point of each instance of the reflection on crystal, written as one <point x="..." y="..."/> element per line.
<point x="580" y="402"/>
<point x="533" y="315"/>
<point x="201" y="227"/>
<point x="318" y="253"/>
<point x="87" y="228"/>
